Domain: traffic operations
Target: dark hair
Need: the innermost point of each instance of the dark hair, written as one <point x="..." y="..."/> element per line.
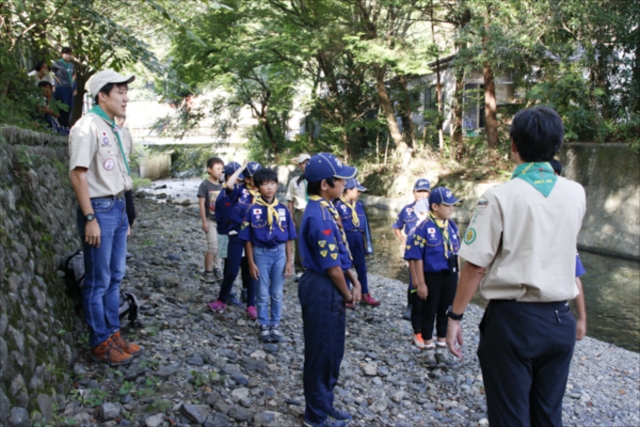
<point x="313" y="188"/>
<point x="537" y="133"/>
<point x="264" y="176"/>
<point x="214" y="161"/>
<point x="556" y="165"/>
<point x="44" y="83"/>
<point x="66" y="49"/>
<point x="106" y="89"/>
<point x="39" y="65"/>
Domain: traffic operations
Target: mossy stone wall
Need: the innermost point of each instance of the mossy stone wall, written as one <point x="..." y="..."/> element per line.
<point x="37" y="231"/>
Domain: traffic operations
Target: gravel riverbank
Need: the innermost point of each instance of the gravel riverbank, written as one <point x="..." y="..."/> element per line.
<point x="199" y="368"/>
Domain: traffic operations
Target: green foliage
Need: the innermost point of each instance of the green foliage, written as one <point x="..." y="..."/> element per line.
<point x="159" y="405"/>
<point x="189" y="161"/>
<point x="139" y="183"/>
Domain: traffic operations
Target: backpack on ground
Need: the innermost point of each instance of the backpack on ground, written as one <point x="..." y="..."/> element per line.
<point x="73" y="268"/>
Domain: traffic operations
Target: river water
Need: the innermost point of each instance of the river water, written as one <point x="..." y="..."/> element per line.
<point x="611" y="285"/>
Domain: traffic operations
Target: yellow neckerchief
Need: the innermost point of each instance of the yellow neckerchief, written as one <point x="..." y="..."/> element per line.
<point x="336" y="218"/>
<point x="354" y="214"/>
<point x="443" y="226"/>
<point x="254" y="193"/>
<point x="272" y="212"/>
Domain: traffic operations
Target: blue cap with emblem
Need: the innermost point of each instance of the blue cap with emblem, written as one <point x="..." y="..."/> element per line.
<point x="252" y="168"/>
<point x="230" y="168"/>
<point x="354" y="183"/>
<point x="442" y="195"/>
<point x="422" y="184"/>
<point x="324" y="165"/>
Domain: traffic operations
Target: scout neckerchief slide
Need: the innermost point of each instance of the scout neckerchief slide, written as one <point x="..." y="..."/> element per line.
<point x="443" y="228"/>
<point x="272" y="212"/>
<point x="100" y="113"/>
<point x="539" y="174"/>
<point x="336" y="218"/>
<point x="354" y="214"/>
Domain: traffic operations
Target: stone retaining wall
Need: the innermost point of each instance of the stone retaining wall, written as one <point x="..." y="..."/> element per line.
<point x="37" y="220"/>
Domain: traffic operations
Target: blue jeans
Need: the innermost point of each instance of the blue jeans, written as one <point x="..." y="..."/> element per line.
<point x="104" y="268"/>
<point x="271" y="263"/>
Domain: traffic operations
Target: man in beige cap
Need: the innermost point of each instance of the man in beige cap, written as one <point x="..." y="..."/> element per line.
<point x="99" y="172"/>
<point x="297" y="199"/>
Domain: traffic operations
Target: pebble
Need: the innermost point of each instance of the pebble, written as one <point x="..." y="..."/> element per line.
<point x="201" y="368"/>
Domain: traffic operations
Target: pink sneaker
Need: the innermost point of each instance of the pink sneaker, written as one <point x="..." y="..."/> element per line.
<point x="368" y="299"/>
<point x="350" y="306"/>
<point x="252" y="313"/>
<point x="217" y="306"/>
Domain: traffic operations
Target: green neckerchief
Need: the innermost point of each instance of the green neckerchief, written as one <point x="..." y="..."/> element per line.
<point x="116" y="131"/>
<point x="539" y="174"/>
<point x="69" y="75"/>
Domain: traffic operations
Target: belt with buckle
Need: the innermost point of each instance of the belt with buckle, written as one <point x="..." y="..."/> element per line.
<point x="120" y="195"/>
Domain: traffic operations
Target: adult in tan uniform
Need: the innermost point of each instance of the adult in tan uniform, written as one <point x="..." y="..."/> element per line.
<point x="99" y="172"/>
<point x="524" y="236"/>
<point x="297" y="199"/>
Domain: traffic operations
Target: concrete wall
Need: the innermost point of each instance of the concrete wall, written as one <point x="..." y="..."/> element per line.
<point x="37" y="223"/>
<point x="610" y="174"/>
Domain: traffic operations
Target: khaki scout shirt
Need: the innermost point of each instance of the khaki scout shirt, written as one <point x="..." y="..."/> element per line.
<point x="297" y="193"/>
<point x="527" y="241"/>
<point x="93" y="145"/>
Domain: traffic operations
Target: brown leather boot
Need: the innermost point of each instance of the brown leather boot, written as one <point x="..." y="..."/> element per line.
<point x="108" y="352"/>
<point x="126" y="346"/>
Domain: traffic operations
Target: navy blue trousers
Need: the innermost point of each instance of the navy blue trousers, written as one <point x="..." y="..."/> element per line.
<point x="355" y="239"/>
<point x="525" y="351"/>
<point x="323" y="324"/>
<point x="64" y="94"/>
<point x="235" y="261"/>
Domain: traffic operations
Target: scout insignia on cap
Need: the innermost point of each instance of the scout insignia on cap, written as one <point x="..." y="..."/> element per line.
<point x="324" y="253"/>
<point x="322" y="243"/>
<point x="109" y="164"/>
<point x="334" y="256"/>
<point x="470" y="236"/>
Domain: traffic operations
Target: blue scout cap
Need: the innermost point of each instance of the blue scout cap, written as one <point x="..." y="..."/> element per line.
<point x="354" y="183"/>
<point x="442" y="195"/>
<point x="252" y="168"/>
<point x="324" y="165"/>
<point x="230" y="168"/>
<point x="422" y="184"/>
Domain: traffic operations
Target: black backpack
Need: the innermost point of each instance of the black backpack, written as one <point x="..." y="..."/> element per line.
<point x="73" y="268"/>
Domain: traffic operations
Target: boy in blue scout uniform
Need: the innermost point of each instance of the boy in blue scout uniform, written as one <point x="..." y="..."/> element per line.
<point x="407" y="221"/>
<point x="323" y="290"/>
<point x="433" y="261"/>
<point x="267" y="233"/>
<point x="354" y="223"/>
<point x="239" y="200"/>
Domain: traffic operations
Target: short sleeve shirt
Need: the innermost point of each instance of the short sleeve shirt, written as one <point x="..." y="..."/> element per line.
<point x="407" y="219"/>
<point x="93" y="145"/>
<point x="321" y="244"/>
<point x="526" y="241"/>
<point x="209" y="192"/>
<point x="426" y="243"/>
<point x="297" y="193"/>
<point x="579" y="267"/>
<point x="256" y="227"/>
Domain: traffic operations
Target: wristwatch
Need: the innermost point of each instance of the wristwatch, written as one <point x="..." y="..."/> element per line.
<point x="454" y="316"/>
<point x="89" y="217"/>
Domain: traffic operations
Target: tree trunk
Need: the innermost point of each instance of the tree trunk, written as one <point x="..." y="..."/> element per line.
<point x="408" y="130"/>
<point x="456" y="124"/>
<point x="490" y="107"/>
<point x="387" y="107"/>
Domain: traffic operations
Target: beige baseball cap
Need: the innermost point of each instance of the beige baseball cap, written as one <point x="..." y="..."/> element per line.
<point x="104" y="77"/>
<point x="301" y="158"/>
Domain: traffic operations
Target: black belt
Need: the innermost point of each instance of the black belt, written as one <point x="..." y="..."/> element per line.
<point x="120" y="195"/>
